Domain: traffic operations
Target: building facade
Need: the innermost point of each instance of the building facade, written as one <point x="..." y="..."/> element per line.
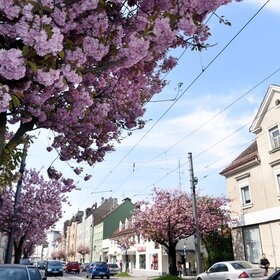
<point x="253" y="185"/>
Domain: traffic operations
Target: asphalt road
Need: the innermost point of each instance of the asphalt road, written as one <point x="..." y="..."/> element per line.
<point x="82" y="275"/>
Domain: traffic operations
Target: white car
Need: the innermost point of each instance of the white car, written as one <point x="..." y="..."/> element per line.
<point x="232" y="270"/>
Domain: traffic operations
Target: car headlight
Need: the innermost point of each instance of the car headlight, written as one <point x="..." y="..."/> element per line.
<point x="49" y="269"/>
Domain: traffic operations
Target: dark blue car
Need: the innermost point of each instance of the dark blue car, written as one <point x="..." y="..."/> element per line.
<point x="274" y="276"/>
<point x="98" y="269"/>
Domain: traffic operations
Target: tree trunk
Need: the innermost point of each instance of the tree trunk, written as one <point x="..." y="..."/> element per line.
<point x="18" y="250"/>
<point x="3" y="123"/>
<point x="172" y="259"/>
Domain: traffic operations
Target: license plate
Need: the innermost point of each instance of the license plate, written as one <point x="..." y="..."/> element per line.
<point x="254" y="275"/>
<point x="101" y="272"/>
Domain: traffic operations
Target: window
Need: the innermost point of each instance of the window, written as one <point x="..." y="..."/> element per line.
<point x="274" y="137"/>
<point x="245" y="195"/>
<point x="142" y="261"/>
<point x="252" y="243"/>
<point x="278" y="181"/>
<point x="214" y="268"/>
<point x="154" y="261"/>
<point x="222" y="268"/>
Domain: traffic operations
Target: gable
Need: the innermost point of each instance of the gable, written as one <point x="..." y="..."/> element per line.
<point x="271" y="92"/>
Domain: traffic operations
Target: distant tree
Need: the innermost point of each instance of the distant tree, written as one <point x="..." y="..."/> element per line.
<point x="71" y="253"/>
<point x="86" y="69"/>
<point x="54" y="255"/>
<point x="39" y="208"/>
<point x="83" y="250"/>
<point x="169" y="218"/>
<point x="61" y="254"/>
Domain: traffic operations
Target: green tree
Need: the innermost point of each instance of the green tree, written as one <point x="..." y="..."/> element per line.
<point x="218" y="245"/>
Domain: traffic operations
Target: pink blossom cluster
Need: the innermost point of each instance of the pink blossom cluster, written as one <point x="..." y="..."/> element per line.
<point x="169" y="217"/>
<point x="39" y="208"/>
<point x="85" y="69"/>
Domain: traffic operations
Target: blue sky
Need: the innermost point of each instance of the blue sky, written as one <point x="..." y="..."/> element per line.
<point x="189" y="125"/>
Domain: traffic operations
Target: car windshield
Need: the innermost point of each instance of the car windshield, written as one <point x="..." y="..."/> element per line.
<point x="241" y="265"/>
<point x="101" y="264"/>
<point x="55" y="263"/>
<point x="13" y="273"/>
<point x="113" y="265"/>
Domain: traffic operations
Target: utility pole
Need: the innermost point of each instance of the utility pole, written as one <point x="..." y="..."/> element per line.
<point x="193" y="182"/>
<point x="11" y="238"/>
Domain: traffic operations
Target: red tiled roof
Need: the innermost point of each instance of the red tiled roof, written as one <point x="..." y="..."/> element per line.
<point x="250" y="154"/>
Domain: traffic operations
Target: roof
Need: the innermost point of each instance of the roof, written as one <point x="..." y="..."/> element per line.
<point x="118" y="233"/>
<point x="272" y="90"/>
<point x="247" y="156"/>
<point x="100" y="219"/>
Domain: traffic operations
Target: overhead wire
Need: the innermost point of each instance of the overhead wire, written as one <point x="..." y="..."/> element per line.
<point x="203" y="124"/>
<point x="208" y="148"/>
<point x="183" y="93"/>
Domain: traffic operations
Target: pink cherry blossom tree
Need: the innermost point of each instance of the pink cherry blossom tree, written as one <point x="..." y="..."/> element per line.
<point x="38" y="209"/>
<point x="169" y="218"/>
<point x="83" y="250"/>
<point x="86" y="68"/>
<point x="54" y="255"/>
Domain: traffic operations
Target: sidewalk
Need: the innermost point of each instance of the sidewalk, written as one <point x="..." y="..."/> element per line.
<point x="147" y="277"/>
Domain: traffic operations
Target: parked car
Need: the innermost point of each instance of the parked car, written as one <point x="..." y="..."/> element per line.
<point x="64" y="264"/>
<point x="84" y="266"/>
<point x="98" y="269"/>
<point x="232" y="270"/>
<point x="114" y="268"/>
<point x="73" y="267"/>
<point x="25" y="261"/>
<point x="20" y="272"/>
<point x="53" y="267"/>
<point x="41" y="264"/>
<point x="274" y="276"/>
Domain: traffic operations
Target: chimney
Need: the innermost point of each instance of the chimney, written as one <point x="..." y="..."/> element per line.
<point x="102" y="200"/>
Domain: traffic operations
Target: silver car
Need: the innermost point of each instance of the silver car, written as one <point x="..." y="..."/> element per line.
<point x="232" y="270"/>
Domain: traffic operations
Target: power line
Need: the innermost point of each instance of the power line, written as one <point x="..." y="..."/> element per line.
<point x="207" y="149"/>
<point x="180" y="96"/>
<point x="206" y="122"/>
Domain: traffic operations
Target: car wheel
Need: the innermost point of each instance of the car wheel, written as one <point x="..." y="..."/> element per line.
<point x="61" y="274"/>
<point x="199" y="278"/>
<point x="92" y="276"/>
<point x="86" y="276"/>
<point x="46" y="274"/>
<point x="108" y="277"/>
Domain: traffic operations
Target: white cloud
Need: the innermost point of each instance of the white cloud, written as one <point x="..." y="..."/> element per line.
<point x="273" y="5"/>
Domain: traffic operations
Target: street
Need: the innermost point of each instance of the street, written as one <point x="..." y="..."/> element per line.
<point x="67" y="276"/>
<point x="82" y="275"/>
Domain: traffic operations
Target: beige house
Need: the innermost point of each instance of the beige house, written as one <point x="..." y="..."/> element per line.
<point x="253" y="184"/>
